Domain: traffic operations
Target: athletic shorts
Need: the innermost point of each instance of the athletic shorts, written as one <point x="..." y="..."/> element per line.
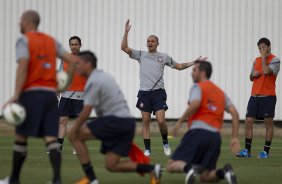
<point x="152" y="101"/>
<point x="70" y="107"/>
<point x="198" y="146"/>
<point x="42" y="118"/>
<point x="115" y="133"/>
<point x="261" y="107"/>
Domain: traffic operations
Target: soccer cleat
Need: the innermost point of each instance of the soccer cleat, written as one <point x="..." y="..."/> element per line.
<point x="263" y="154"/>
<point x="73" y="152"/>
<point x="5" y="181"/>
<point x="83" y="180"/>
<point x="94" y="182"/>
<point x="192" y="173"/>
<point x="156" y="174"/>
<point x="147" y="153"/>
<point x="244" y="153"/>
<point x="229" y="174"/>
<point x="167" y="150"/>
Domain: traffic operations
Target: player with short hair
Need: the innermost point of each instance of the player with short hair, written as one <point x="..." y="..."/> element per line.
<point x="71" y="101"/>
<point x="262" y="102"/>
<point x="35" y="89"/>
<point x="115" y="126"/>
<point x="199" y="148"/>
<point x="152" y="95"/>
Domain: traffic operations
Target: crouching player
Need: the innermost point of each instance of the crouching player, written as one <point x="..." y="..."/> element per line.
<point x="199" y="149"/>
<point x="114" y="126"/>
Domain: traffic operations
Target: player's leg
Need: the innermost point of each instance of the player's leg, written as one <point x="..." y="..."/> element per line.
<point x="63" y="121"/>
<point x="252" y="113"/>
<point x="54" y="151"/>
<point x="146" y="121"/>
<point x="80" y="146"/>
<point x="160" y="116"/>
<point x="176" y="166"/>
<point x="19" y="156"/>
<point x="268" y="111"/>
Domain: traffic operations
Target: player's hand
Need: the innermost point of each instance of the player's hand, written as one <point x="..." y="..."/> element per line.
<point x="175" y="129"/>
<point x="200" y="59"/>
<point x="256" y="74"/>
<point x="263" y="52"/>
<point x="11" y="100"/>
<point x="235" y="145"/>
<point x="127" y="26"/>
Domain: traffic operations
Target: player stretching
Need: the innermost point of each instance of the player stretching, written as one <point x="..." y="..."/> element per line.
<point x="114" y="126"/>
<point x="152" y="95"/>
<point x="71" y="101"/>
<point x="263" y="98"/>
<point x="35" y="89"/>
<point x="199" y="148"/>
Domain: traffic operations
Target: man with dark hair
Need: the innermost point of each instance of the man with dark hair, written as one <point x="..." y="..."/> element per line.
<point x="152" y="95"/>
<point x="115" y="126"/>
<point x="35" y="89"/>
<point x="199" y="148"/>
<point x="262" y="102"/>
<point x="71" y="101"/>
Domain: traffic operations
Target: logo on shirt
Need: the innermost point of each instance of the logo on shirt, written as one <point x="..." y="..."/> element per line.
<point x="160" y="59"/>
<point x="46" y="65"/>
<point x="141" y="105"/>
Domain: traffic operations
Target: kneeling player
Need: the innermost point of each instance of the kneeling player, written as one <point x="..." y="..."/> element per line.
<point x="114" y="126"/>
<point x="199" y="149"/>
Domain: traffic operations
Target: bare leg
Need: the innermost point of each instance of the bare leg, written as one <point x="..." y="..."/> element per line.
<point x="160" y="115"/>
<point x="146" y="120"/>
<point x="209" y="176"/>
<point x="174" y="166"/>
<point x="113" y="163"/>
<point x="249" y="127"/>
<point x="269" y="129"/>
<point x="63" y="126"/>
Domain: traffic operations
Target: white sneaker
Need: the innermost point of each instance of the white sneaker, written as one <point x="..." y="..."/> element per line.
<point x="73" y="152"/>
<point x="167" y="150"/>
<point x="147" y="153"/>
<point x="5" y="181"/>
<point x="192" y="174"/>
<point x="229" y="174"/>
<point x="94" y="182"/>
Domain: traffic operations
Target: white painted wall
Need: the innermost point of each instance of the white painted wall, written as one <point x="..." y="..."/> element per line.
<point x="225" y="30"/>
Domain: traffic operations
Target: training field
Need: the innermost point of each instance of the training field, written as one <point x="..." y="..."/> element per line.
<point x="37" y="169"/>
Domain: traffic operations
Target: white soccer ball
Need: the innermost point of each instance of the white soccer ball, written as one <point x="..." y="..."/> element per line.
<point x="62" y="80"/>
<point x="14" y="114"/>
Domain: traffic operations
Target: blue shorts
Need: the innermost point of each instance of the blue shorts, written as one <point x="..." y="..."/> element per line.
<point x="70" y="107"/>
<point x="152" y="101"/>
<point x="115" y="133"/>
<point x="198" y="146"/>
<point x="261" y="107"/>
<point x="42" y="118"/>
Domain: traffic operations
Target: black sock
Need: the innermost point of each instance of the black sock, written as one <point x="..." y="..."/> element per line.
<point x="55" y="159"/>
<point x="267" y="146"/>
<point x="220" y="173"/>
<point x="187" y="167"/>
<point x="61" y="143"/>
<point x="248" y="144"/>
<point x="164" y="137"/>
<point x="144" y="168"/>
<point x="19" y="156"/>
<point x="147" y="143"/>
<point x="89" y="172"/>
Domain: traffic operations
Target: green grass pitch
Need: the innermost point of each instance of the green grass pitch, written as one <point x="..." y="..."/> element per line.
<point x="37" y="169"/>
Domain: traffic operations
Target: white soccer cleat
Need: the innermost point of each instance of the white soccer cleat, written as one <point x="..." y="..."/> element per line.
<point x="229" y="174"/>
<point x="192" y="174"/>
<point x="73" y="152"/>
<point x="94" y="182"/>
<point x="167" y="150"/>
<point x="147" y="153"/>
<point x="5" y="181"/>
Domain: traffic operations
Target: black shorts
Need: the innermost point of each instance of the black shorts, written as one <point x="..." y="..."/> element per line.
<point x="261" y="107"/>
<point x="115" y="133"/>
<point x="70" y="107"/>
<point x="198" y="146"/>
<point x="42" y="118"/>
<point x="152" y="101"/>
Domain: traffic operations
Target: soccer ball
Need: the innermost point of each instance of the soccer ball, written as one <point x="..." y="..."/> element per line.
<point x="14" y="114"/>
<point x="62" y="80"/>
